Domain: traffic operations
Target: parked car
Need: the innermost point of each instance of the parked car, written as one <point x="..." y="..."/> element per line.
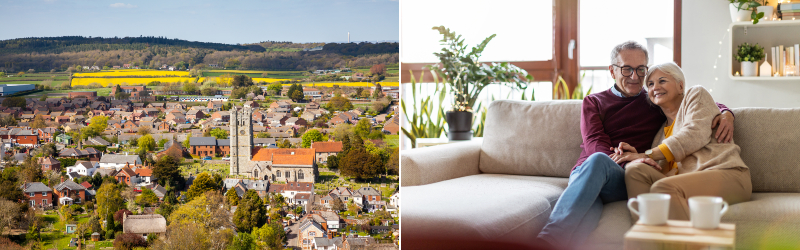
<point x="207" y="158"/>
<point x="226" y="158"/>
<point x="290" y="216"/>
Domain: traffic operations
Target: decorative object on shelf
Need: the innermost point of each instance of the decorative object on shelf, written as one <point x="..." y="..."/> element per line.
<point x="788" y="70"/>
<point x="749" y="55"/>
<point x="461" y="70"/>
<point x="766" y="69"/>
<point x="736" y="74"/>
<point x="766" y="10"/>
<point x="788" y="11"/>
<point x="743" y="10"/>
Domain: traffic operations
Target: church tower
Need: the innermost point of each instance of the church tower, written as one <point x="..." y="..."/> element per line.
<point x="241" y="140"/>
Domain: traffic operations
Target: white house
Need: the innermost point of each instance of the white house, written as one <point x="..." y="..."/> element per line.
<point x="117" y="162"/>
<point x="395" y="200"/>
<point x="83" y="168"/>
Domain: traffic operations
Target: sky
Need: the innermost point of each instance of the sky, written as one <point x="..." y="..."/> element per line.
<point x="230" y="22"/>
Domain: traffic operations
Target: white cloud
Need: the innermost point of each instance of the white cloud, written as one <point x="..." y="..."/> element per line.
<point x="122" y="5"/>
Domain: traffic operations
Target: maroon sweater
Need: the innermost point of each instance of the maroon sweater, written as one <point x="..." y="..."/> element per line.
<point x="607" y="120"/>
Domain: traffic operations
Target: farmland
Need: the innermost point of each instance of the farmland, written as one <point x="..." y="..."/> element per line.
<point x="105" y="82"/>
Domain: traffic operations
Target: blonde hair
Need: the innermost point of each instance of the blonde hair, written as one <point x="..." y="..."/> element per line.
<point x="670" y="69"/>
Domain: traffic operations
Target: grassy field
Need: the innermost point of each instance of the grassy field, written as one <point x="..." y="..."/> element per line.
<point x="60" y="239"/>
<point x="393" y="140"/>
<point x="196" y="168"/>
<point x="54" y="83"/>
<point x="100" y="91"/>
<point x="329" y="180"/>
<point x="134" y="73"/>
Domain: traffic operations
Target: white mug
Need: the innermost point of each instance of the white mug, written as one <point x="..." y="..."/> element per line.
<point x="653" y="208"/>
<point x="706" y="211"/>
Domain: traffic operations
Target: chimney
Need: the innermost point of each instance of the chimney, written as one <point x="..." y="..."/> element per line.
<point x="124" y="216"/>
<point x="330" y="235"/>
<point x="62" y="179"/>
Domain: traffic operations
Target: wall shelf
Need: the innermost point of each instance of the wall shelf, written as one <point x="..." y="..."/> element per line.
<point x="767" y="34"/>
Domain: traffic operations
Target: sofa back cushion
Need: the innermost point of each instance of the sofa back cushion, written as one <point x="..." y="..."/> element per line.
<point x="770" y="142"/>
<point x="540" y="138"/>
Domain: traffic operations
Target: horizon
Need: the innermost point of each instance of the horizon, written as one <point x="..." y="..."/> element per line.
<point x="244" y="22"/>
<point x="373" y="41"/>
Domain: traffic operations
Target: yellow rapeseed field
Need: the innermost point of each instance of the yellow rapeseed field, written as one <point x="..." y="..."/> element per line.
<point x="350" y="84"/>
<point x="133" y="73"/>
<point x="105" y="82"/>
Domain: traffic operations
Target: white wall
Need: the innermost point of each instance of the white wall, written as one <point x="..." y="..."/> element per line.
<point x="704" y="25"/>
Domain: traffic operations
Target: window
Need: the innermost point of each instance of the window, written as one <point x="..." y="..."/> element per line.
<point x="300" y="175"/>
<point x="312" y="234"/>
<point x="288" y="174"/>
<point x="31" y="194"/>
<point x="44" y="202"/>
<point x="44" y="193"/>
<point x="279" y="173"/>
<point x="33" y="203"/>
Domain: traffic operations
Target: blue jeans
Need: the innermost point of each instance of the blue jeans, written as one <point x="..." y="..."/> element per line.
<point x="597" y="181"/>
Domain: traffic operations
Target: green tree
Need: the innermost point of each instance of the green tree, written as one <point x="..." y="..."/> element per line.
<point x="242" y="241"/>
<point x="270" y="236"/>
<point x="378" y="93"/>
<point x="15" y="101"/>
<point x="333" y="162"/>
<point x="242" y="81"/>
<point x="276" y="87"/>
<point x="38" y="122"/>
<point x="166" y="170"/>
<point x="338" y="103"/>
<point x="108" y="200"/>
<point x="119" y="94"/>
<point x="187" y="141"/>
<point x="190" y="88"/>
<point x="393" y="164"/>
<point x="219" y="133"/>
<point x="358" y="162"/>
<point x="204" y="182"/>
<point x="312" y="136"/>
<point x="338" y="205"/>
<point x="297" y="95"/>
<point x="147" y="143"/>
<point x="232" y="197"/>
<point x="284" y="144"/>
<point x="250" y="213"/>
<point x="362" y="128"/>
<point x="263" y="135"/>
<point x="147" y="198"/>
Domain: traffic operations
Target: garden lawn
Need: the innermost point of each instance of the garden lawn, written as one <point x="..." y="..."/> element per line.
<point x="100" y="91"/>
<point x="392" y="140"/>
<point x="197" y="168"/>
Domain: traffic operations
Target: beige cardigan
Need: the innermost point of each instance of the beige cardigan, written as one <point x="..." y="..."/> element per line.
<point x="692" y="142"/>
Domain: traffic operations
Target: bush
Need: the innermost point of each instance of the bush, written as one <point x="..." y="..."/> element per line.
<point x="109" y="234"/>
<point x="129" y="241"/>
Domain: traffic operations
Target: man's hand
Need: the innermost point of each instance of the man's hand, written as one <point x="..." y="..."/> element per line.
<point x="725" y="130"/>
<point x="627" y="156"/>
<point x="623" y="147"/>
<point x="648" y="161"/>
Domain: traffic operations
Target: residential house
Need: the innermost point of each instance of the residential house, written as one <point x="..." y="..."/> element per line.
<point x="223" y="116"/>
<point x="118" y="161"/>
<point x="309" y="230"/>
<point x="249" y="104"/>
<point x="64" y="138"/>
<point x="209" y="146"/>
<point x="82" y="168"/>
<point x="368" y="197"/>
<point x="144" y="225"/>
<point x="242" y="185"/>
<point x="39" y="194"/>
<point x="329" y="243"/>
<point x="215" y="105"/>
<point x="49" y="163"/>
<point x="69" y="192"/>
<point x="145" y="176"/>
<point x="325" y="149"/>
<point x="128" y="176"/>
<point x="195" y="114"/>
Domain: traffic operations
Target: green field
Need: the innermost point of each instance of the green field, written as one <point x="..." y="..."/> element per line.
<point x="328" y="180"/>
<point x="100" y="91"/>
<point x="392" y="140"/>
<point x="60" y="239"/>
<point x="197" y="168"/>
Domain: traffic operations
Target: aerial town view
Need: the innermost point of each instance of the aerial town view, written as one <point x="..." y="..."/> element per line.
<point x="115" y="140"/>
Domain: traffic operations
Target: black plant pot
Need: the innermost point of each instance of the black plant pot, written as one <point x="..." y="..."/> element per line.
<point x="460" y="125"/>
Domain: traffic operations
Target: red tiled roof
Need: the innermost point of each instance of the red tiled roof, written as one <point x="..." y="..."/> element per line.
<point x="144" y="172"/>
<point x="266" y="154"/>
<point x="293" y="159"/>
<point x="327" y="147"/>
<point x="86" y="185"/>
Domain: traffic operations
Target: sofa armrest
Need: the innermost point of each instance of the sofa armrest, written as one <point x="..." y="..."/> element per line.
<point x="422" y="166"/>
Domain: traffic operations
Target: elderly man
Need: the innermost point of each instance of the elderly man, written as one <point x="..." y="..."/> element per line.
<point x="620" y="114"/>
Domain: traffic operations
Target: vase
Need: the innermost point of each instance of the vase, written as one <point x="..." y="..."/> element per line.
<point x="459" y="124"/>
<point x="768" y="10"/>
<point x="740" y="15"/>
<point x="749" y="68"/>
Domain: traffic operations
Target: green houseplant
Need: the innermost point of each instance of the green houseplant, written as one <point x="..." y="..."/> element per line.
<point x="749" y="55"/>
<point x="466" y="76"/>
<point x="742" y="10"/>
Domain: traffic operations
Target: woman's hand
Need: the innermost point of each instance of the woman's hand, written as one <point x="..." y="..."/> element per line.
<point x="626" y="156"/>
<point x="623" y="147"/>
<point x="725" y="130"/>
<point x="648" y="161"/>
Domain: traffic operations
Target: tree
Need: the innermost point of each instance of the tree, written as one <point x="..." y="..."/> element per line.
<point x="270" y="236"/>
<point x="338" y="103"/>
<point x="38" y="122"/>
<point x="143" y="130"/>
<point x="96" y="126"/>
<point x="219" y="133"/>
<point x="276" y="87"/>
<point x="108" y="200"/>
<point x="333" y="162"/>
<point x="242" y="81"/>
<point x="189" y="88"/>
<point x="358" y="162"/>
<point x="353" y="208"/>
<point x="186" y="143"/>
<point x="43" y="98"/>
<point x="232" y="197"/>
<point x="250" y="213"/>
<point x="119" y="94"/>
<point x="204" y="182"/>
<point x="147" y="143"/>
<point x="297" y="95"/>
<point x="284" y="144"/>
<point x="338" y="205"/>
<point x="242" y="241"/>
<point x="208" y="91"/>
<point x="376" y="134"/>
<point x="120" y="214"/>
<point x="9" y="211"/>
<point x="393" y="164"/>
<point x="378" y="69"/>
<point x="312" y="136"/>
<point x="128" y="241"/>
<point x="362" y="128"/>
<point x="166" y="170"/>
<point x="263" y="135"/>
<point x="207" y="210"/>
<point x="147" y="198"/>
<point x="15" y="101"/>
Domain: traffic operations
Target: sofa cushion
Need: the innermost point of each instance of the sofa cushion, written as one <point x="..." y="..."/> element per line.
<point x="767" y="221"/>
<point x="484" y="208"/>
<point x="531" y="138"/>
<point x="610" y="232"/>
<point x="769" y="139"/>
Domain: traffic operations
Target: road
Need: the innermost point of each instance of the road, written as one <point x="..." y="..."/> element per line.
<point x="292" y="236"/>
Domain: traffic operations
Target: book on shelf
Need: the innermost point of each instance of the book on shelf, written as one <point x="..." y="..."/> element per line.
<point x="790" y="11"/>
<point x="774" y="63"/>
<point x="797" y="59"/>
<point x="791" y="14"/>
<point x="781" y="59"/>
<point x="788" y="6"/>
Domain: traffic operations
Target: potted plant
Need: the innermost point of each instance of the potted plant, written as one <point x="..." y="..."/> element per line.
<point x="764" y="11"/>
<point x="749" y="55"/>
<point x="742" y="10"/>
<point x="462" y="71"/>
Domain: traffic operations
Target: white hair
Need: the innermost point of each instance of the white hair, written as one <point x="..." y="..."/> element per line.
<point x="670" y="69"/>
<point x="629" y="45"/>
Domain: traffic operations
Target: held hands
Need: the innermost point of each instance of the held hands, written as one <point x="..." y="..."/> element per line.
<point x="725" y="130"/>
<point x="625" y="152"/>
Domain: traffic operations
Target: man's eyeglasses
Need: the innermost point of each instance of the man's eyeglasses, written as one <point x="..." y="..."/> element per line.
<point x="627" y="71"/>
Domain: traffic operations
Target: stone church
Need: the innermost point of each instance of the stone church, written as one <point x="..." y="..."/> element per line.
<point x="274" y="164"/>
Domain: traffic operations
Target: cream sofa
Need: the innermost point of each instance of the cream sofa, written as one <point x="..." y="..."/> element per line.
<point x="499" y="194"/>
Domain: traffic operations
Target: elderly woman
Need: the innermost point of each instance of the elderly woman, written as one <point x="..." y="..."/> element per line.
<point x="686" y="160"/>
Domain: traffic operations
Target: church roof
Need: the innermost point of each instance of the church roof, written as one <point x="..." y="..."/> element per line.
<point x="291" y="156"/>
